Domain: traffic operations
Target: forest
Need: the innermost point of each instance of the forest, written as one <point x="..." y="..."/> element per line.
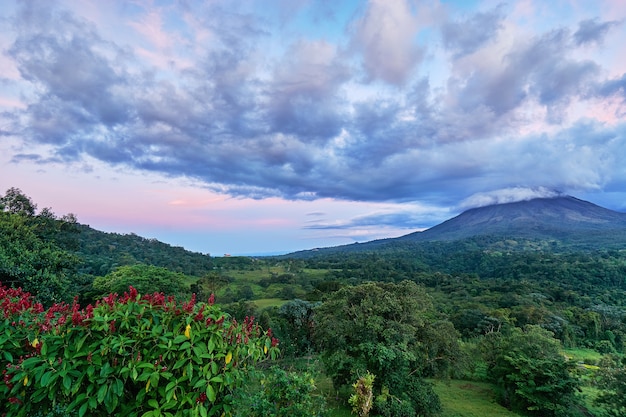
<point x="98" y="323"/>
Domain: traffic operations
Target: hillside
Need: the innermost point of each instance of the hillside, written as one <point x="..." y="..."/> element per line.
<point x="566" y="223"/>
<point x="100" y="252"/>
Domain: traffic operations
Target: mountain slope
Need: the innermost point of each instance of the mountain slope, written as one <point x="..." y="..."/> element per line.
<point x="540" y="218"/>
<point x="565" y="222"/>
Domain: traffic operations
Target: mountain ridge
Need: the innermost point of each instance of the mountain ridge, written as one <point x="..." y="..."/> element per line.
<point x="571" y="222"/>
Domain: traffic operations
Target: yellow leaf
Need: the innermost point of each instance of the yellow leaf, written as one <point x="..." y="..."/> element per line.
<point x="265" y="349"/>
<point x="35" y="343"/>
<point x="25" y="380"/>
<point x="188" y="331"/>
<point x="229" y="357"/>
<point x="147" y="385"/>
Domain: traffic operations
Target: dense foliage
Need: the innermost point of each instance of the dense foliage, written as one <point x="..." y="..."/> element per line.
<point x="485" y="308"/>
<point x="35" y="250"/>
<point x="532" y="373"/>
<point x="280" y="393"/>
<point x="132" y="356"/>
<point x="145" y="278"/>
<point x="388" y="330"/>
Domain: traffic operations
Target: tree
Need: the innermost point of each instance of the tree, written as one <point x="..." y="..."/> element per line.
<point x="16" y="202"/>
<point x="612" y="385"/>
<point x="145" y="278"/>
<point x="531" y="373"/>
<point x="31" y="259"/>
<point x="383" y="328"/>
<point x="295" y="327"/>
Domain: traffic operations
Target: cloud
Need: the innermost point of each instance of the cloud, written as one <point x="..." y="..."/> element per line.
<point x="591" y="31"/>
<point x="508" y="195"/>
<point x="303" y="97"/>
<point x="407" y="220"/>
<point x="614" y="87"/>
<point x="466" y="36"/>
<point x="386" y="38"/>
<point x="253" y="115"/>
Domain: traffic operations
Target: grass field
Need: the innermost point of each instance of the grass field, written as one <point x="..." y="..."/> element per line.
<point x="269" y="302"/>
<point x="458" y="399"/>
<point x="469" y="399"/>
<point x="588" y="356"/>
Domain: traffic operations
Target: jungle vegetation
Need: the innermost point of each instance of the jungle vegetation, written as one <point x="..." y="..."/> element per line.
<point x="543" y="329"/>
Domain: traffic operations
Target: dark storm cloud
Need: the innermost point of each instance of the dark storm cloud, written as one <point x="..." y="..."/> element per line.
<point x="299" y="125"/>
<point x="591" y="31"/>
<point x="466" y="36"/>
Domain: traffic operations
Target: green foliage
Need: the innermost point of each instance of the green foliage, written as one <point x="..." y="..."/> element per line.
<point x="15" y="201"/>
<point x="386" y="329"/>
<point x="612" y="384"/>
<point x="531" y="372"/>
<point x="102" y="252"/>
<point x="33" y="250"/>
<point x="295" y="324"/>
<point x="145" y="278"/>
<point x="415" y="397"/>
<point x="132" y="355"/>
<point x="362" y="399"/>
<point x="281" y="394"/>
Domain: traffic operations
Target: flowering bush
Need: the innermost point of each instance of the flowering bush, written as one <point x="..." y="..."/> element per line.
<point x="129" y="356"/>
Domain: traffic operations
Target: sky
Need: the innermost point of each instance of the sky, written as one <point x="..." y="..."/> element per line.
<point x="271" y="126"/>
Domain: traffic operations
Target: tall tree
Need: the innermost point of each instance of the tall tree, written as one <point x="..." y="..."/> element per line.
<point x="32" y="252"/>
<point x="16" y="202"/>
<point x="532" y="374"/>
<point x="385" y="329"/>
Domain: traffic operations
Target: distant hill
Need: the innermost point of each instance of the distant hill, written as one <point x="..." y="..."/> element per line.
<point x="567" y="222"/>
<point x="100" y="252"/>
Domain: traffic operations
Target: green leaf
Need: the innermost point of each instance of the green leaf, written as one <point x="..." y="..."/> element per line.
<point x="210" y="393"/>
<point x="153" y="403"/>
<point x="45" y="379"/>
<point x="102" y="392"/>
<point x="180" y="363"/>
<point x="83" y="409"/>
<point x="67" y="382"/>
<point x="200" y="383"/>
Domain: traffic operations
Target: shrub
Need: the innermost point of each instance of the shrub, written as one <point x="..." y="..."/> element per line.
<point x="131" y="356"/>
<point x="281" y="393"/>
